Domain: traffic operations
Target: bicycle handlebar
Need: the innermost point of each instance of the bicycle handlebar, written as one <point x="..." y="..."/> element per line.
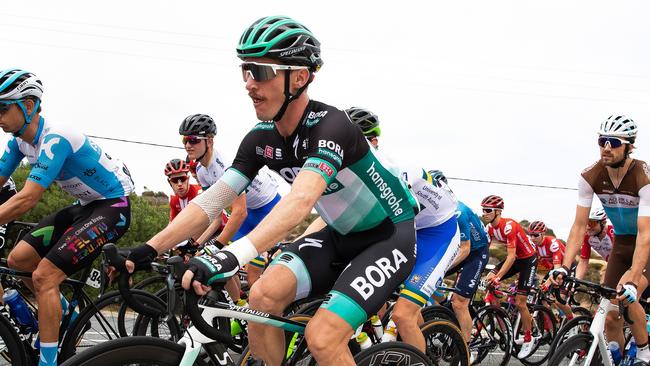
<point x="118" y="261"/>
<point x="192" y="305"/>
<point x="605" y="292"/>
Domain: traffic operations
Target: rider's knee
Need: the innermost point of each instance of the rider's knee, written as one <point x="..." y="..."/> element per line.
<point x="613" y="320"/>
<point x="43" y="280"/>
<point x="404" y="314"/>
<point x="459" y="303"/>
<point x="322" y="338"/>
<point x="264" y="296"/>
<point x="20" y="260"/>
<point x="521" y="301"/>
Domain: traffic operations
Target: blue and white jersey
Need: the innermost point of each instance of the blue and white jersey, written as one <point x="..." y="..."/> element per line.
<point x="437" y="201"/>
<point x="471" y="228"/>
<point x="76" y="163"/>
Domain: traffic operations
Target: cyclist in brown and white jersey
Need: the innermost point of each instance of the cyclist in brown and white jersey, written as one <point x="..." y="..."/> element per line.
<point x="622" y="185"/>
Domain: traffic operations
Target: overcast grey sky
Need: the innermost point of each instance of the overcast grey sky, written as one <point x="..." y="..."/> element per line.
<point x="496" y="90"/>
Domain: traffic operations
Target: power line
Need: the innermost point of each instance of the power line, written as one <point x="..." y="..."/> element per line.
<point x="463" y="179"/>
<point x="134" y="142"/>
<point x="514" y="184"/>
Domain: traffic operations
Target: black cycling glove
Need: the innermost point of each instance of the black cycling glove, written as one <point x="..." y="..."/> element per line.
<point x="142" y="256"/>
<point x="212" y="268"/>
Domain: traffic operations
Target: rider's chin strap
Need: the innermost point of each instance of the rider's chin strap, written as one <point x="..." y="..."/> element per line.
<point x="288" y="98"/>
<point x="28" y="118"/>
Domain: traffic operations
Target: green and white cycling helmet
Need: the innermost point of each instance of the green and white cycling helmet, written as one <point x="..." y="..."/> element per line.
<point x="285" y="40"/>
<point x="366" y="120"/>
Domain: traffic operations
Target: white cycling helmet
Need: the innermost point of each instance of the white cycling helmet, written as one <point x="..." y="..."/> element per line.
<point x="618" y="126"/>
<point x="18" y="84"/>
<point x="598" y="215"/>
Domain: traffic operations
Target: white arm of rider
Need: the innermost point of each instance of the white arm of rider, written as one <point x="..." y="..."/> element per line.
<point x="644" y="200"/>
<point x="219" y="196"/>
<point x="585" y="193"/>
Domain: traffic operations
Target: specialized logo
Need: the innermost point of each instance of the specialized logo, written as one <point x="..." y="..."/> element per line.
<point x="47" y="147"/>
<point x="311" y="242"/>
<point x="292" y="51"/>
<point x="386" y="192"/>
<point x="377" y="274"/>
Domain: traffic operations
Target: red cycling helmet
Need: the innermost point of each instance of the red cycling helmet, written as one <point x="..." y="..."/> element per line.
<point x="492" y="201"/>
<point x="537" y="227"/>
<point x="176" y="166"/>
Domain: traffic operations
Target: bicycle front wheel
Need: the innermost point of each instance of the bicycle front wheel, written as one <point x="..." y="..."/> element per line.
<point x="574" y="352"/>
<point x="445" y="343"/>
<point x="144" y="351"/>
<point x="12" y="351"/>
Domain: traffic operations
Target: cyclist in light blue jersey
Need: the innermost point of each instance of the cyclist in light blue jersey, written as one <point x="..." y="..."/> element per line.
<point x="70" y="239"/>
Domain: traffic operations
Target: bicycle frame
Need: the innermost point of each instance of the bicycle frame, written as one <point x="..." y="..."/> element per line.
<point x="597" y="330"/>
<point x="193" y="339"/>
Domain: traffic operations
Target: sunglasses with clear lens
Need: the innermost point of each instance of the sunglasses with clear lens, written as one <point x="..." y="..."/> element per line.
<point x="614" y="142"/>
<point x="263" y="72"/>
<point x="489" y="210"/>
<point x="193" y="140"/>
<point x="181" y="179"/>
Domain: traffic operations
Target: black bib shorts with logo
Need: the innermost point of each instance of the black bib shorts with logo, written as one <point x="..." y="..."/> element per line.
<point x="357" y="271"/>
<point x="73" y="237"/>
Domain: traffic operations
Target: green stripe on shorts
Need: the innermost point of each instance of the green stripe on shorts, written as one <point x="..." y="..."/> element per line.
<point x="343" y="306"/>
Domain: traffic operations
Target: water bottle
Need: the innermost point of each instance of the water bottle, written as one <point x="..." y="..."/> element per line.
<point x="390" y="333"/>
<point x="19" y="309"/>
<point x="363" y="340"/>
<point x="616" y="352"/>
<point x="377" y="327"/>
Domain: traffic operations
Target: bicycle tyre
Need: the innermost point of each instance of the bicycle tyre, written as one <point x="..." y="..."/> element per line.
<point x="11" y="349"/>
<point x="545" y="336"/>
<point x="104" y="326"/>
<point x="571" y="328"/>
<point x="132" y="350"/>
<point x="444" y="341"/>
<point x="580" y="344"/>
<point x="491" y="332"/>
<point x="392" y="353"/>
<point x="434" y="312"/>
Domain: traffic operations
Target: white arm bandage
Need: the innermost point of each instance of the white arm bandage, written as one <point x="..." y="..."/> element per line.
<point x="215" y="199"/>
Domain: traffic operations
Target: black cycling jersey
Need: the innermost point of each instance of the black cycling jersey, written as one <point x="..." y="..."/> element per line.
<point x="363" y="188"/>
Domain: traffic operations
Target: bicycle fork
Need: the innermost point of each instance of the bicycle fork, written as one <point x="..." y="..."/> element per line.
<point x="597" y="331"/>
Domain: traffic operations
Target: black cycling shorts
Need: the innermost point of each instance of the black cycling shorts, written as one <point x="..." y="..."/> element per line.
<point x="527" y="269"/>
<point x="73" y="237"/>
<point x="357" y="271"/>
<point x="5" y="194"/>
